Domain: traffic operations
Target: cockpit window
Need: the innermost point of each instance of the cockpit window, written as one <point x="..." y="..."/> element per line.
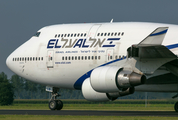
<point x="37" y="34"/>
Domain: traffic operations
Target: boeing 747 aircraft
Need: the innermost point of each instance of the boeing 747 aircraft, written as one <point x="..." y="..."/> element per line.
<point x="103" y="60"/>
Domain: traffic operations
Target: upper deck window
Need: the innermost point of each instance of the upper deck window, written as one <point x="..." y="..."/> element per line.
<point x="37" y="34"/>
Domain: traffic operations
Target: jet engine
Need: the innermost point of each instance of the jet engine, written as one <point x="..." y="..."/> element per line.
<point x="90" y="94"/>
<point x="110" y="79"/>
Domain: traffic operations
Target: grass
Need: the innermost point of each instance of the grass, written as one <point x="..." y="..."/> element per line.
<point x="55" y="117"/>
<point x="122" y="107"/>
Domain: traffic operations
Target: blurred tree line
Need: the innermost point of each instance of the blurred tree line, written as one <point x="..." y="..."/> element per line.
<point x="24" y="89"/>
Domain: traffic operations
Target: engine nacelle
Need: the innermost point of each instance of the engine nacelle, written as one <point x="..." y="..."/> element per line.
<point x="90" y="94"/>
<point x="109" y="79"/>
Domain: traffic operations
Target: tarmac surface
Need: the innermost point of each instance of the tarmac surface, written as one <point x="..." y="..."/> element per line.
<point x="89" y="113"/>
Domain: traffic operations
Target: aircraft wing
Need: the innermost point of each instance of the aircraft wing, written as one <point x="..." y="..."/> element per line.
<point x="150" y="54"/>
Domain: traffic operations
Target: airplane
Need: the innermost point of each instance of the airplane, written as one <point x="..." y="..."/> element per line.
<point x="103" y="60"/>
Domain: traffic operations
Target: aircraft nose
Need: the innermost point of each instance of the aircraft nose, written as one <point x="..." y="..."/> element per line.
<point x="7" y="61"/>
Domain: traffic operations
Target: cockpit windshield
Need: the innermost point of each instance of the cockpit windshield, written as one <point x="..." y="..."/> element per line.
<point x="37" y="34"/>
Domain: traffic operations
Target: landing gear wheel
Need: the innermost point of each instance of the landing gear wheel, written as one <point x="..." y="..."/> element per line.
<point x="52" y="105"/>
<point x="176" y="107"/>
<point x="59" y="104"/>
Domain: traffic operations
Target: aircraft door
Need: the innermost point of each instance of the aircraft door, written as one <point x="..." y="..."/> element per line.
<point x="109" y="55"/>
<point x="93" y="30"/>
<point x="50" y="59"/>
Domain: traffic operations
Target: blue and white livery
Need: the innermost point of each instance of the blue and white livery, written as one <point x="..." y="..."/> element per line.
<point x="104" y="60"/>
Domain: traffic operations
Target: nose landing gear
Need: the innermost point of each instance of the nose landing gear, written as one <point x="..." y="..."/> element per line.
<point x="54" y="104"/>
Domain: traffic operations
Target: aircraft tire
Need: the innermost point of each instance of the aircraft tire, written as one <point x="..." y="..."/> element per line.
<point x="52" y="105"/>
<point x="176" y="107"/>
<point x="59" y="104"/>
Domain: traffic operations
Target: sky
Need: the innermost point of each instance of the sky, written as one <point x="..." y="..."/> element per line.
<point x="20" y="19"/>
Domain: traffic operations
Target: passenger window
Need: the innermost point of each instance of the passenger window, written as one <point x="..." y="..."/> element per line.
<point x="55" y="35"/>
<point x="20" y="59"/>
<point x="25" y="59"/>
<point x="59" y="35"/>
<point x="69" y="57"/>
<point x="88" y="57"/>
<point x="118" y="33"/>
<point x="33" y="58"/>
<point x="110" y="57"/>
<point x="62" y="58"/>
<point x="72" y="57"/>
<point x="42" y="58"/>
<point x="62" y="35"/>
<point x="81" y="34"/>
<point x="116" y="57"/>
<point x="78" y="35"/>
<point x="71" y="35"/>
<point x="13" y="59"/>
<point x="105" y="34"/>
<point x="51" y="58"/>
<point x="95" y="57"/>
<point x="82" y="58"/>
<point x="98" y="34"/>
<point x="85" y="57"/>
<point x="108" y="34"/>
<point x="75" y="35"/>
<point x="30" y="58"/>
<point x="68" y="35"/>
<point x="119" y="57"/>
<point x="101" y="34"/>
<point x="123" y="57"/>
<point x="75" y="57"/>
<point x="122" y="33"/>
<point x="65" y="35"/>
<point x="36" y="58"/>
<point x="112" y="34"/>
<point x="99" y="57"/>
<point x="92" y="57"/>
<point x="78" y="57"/>
<point x="66" y="57"/>
<point x="85" y="34"/>
<point x="115" y="34"/>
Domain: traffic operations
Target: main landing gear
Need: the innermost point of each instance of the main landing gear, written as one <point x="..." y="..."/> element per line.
<point x="176" y="104"/>
<point x="176" y="107"/>
<point x="54" y="104"/>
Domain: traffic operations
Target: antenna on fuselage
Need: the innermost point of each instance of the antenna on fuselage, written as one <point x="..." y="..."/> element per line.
<point x="111" y="21"/>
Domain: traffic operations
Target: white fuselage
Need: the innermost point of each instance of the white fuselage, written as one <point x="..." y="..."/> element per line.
<point x="59" y="58"/>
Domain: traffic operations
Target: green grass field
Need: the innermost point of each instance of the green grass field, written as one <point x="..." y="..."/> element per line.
<point x="55" y="117"/>
<point x="126" y="105"/>
<point x="123" y="107"/>
<point x="120" y="105"/>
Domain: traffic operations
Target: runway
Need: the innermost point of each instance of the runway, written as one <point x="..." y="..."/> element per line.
<point x="89" y="113"/>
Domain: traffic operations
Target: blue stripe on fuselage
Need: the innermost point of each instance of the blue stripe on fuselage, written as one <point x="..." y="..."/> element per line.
<point x="172" y="46"/>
